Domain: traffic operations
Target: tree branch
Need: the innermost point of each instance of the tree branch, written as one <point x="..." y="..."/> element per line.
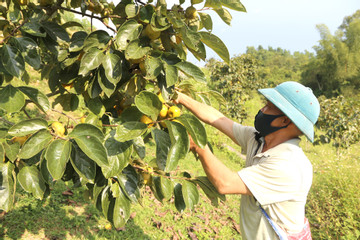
<point x="54" y="110"/>
<point x="6" y="121"/>
<point x="91" y="16"/>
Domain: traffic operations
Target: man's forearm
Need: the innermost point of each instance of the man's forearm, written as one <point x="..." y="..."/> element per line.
<point x="204" y="112"/>
<point x="225" y="180"/>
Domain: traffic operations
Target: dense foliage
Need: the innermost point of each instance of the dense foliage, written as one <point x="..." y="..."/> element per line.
<point x="336" y="65"/>
<point x="124" y="82"/>
<point x="339" y="121"/>
<point x="234" y="81"/>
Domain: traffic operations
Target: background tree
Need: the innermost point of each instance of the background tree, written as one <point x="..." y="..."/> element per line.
<point x="114" y="90"/>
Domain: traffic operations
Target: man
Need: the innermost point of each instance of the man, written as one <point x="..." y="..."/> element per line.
<point x="277" y="177"/>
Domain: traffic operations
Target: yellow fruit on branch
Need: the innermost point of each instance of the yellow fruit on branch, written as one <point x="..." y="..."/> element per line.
<point x="68" y="86"/>
<point x="20" y="140"/>
<point x="191" y="12"/>
<point x="164" y="111"/>
<point x="58" y="128"/>
<point x="23" y="2"/>
<point x="83" y="119"/>
<point x="108" y="226"/>
<point x="145" y="119"/>
<point x="161" y="97"/>
<point x="151" y="33"/>
<point x="174" y="112"/>
<point x="147" y="178"/>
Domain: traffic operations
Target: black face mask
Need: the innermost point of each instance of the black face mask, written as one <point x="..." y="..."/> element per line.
<point x="263" y="123"/>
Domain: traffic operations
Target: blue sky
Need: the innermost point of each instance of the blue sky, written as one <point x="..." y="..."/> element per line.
<point x="288" y="24"/>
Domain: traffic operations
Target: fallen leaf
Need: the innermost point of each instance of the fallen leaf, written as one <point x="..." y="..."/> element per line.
<point x="67" y="193"/>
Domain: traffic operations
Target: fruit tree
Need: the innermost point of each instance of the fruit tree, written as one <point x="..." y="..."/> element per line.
<point x="123" y="82"/>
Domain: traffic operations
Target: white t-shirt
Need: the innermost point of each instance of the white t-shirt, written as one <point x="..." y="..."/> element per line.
<point x="279" y="180"/>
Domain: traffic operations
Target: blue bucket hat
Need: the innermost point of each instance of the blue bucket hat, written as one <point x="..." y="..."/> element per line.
<point x="298" y="103"/>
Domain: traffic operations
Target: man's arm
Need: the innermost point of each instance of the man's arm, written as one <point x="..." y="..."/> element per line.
<point x="225" y="180"/>
<point x="207" y="114"/>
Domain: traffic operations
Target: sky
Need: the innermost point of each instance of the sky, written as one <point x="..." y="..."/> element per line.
<point x="288" y="24"/>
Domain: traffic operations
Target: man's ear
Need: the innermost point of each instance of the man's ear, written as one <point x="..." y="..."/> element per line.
<point x="286" y="120"/>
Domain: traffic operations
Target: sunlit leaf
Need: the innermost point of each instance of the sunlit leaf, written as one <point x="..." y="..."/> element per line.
<point x="35" y="144"/>
<point x="7" y="190"/>
<point x="148" y="103"/>
<point x="129" y="130"/>
<point x="57" y="155"/>
<point x="216" y="44"/>
<point x="195" y="128"/>
<point x="163" y="144"/>
<point x="93" y="148"/>
<point x="191" y="70"/>
<point x="129" y="31"/>
<point x="83" y="165"/>
<point x="28" y="126"/>
<point x="31" y="181"/>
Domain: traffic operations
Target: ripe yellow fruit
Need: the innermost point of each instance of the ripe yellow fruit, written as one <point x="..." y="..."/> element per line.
<point x="83" y="119"/>
<point x="151" y="33"/>
<point x="191" y="12"/>
<point x="108" y="226"/>
<point x="145" y="119"/>
<point x="68" y="86"/>
<point x="161" y="97"/>
<point x="58" y="128"/>
<point x="147" y="178"/>
<point x="164" y="111"/>
<point x="174" y="112"/>
<point x="20" y="140"/>
<point x="23" y="2"/>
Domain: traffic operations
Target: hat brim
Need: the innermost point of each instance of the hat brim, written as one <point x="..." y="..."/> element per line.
<point x="301" y="121"/>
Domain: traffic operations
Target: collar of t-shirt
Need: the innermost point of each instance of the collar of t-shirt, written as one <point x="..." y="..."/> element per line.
<point x="278" y="148"/>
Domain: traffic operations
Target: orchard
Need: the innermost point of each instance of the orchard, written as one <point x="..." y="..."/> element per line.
<point x="124" y="82"/>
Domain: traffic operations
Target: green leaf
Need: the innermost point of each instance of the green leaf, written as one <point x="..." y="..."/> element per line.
<point x="33" y="28"/>
<point x="131" y="10"/>
<point x="107" y="87"/>
<point x="190" y="194"/>
<point x="107" y="203"/>
<point x="12" y="60"/>
<point x="164" y="187"/>
<point x="196" y="1"/>
<point x="215" y="4"/>
<point x="91" y="60"/>
<point x="77" y="41"/>
<point x="163" y="144"/>
<point x="97" y="39"/>
<point x="39" y="98"/>
<point x="171" y="74"/>
<point x="96" y="106"/>
<point x="190" y="38"/>
<point x="206" y="20"/>
<point x="69" y="102"/>
<point x="179" y="199"/>
<point x="29" y="49"/>
<point x="7" y="187"/>
<point x="11" y="99"/>
<point x="209" y="190"/>
<point x="119" y="156"/>
<point x="139" y="147"/>
<point x="216" y="44"/>
<point x="31" y="181"/>
<point x="225" y="15"/>
<point x="83" y="165"/>
<point x="85" y="129"/>
<point x="112" y="64"/>
<point x="93" y="148"/>
<point x="191" y="70"/>
<point x="234" y="5"/>
<point x="121" y="210"/>
<point x="35" y="144"/>
<point x="145" y="13"/>
<point x="26" y="127"/>
<point x="57" y="155"/>
<point x="2" y="152"/>
<point x="153" y="66"/>
<point x="45" y="172"/>
<point x="55" y="31"/>
<point x="148" y="103"/>
<point x="11" y="151"/>
<point x="137" y="49"/>
<point x="128" y="181"/>
<point x="128" y="32"/>
<point x="195" y="128"/>
<point x="180" y="144"/>
<point x="129" y="131"/>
